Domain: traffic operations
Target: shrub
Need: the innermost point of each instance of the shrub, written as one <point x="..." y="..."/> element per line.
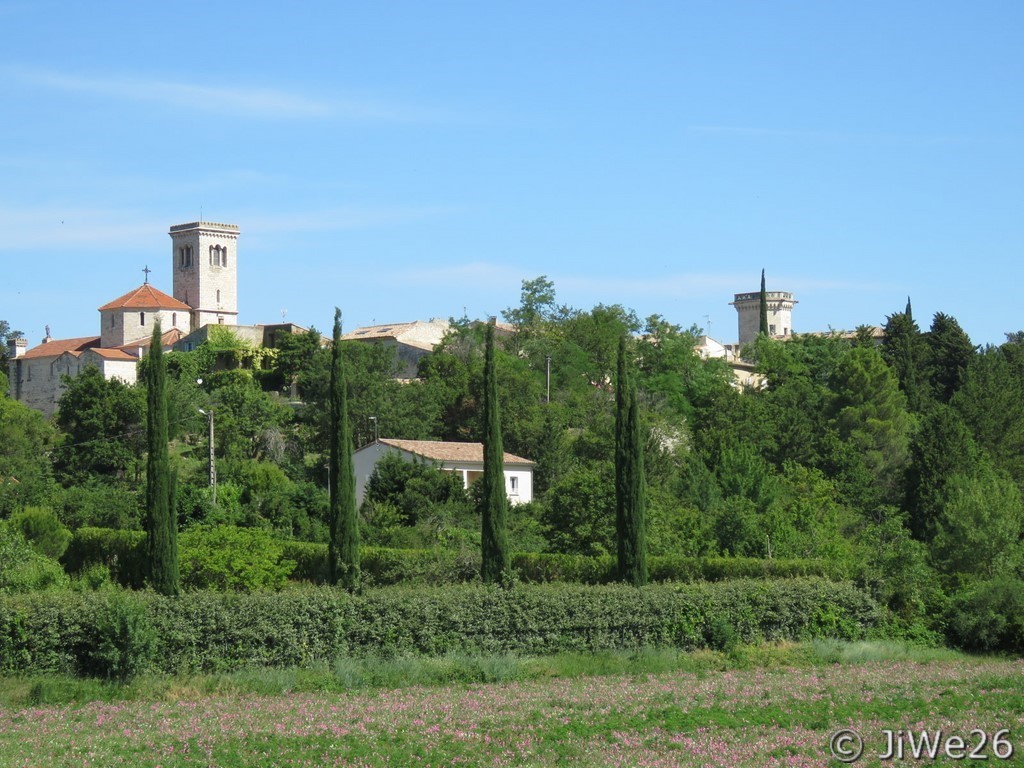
<point x="988" y="616"/>
<point x="227" y="558"/>
<point x="43" y="530"/>
<point x="123" y="552"/>
<point x="122" y="640"/>
<point x="109" y="633"/>
<point x="22" y="568"/>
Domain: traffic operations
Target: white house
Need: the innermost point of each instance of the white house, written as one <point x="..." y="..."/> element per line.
<point x="465" y="459"/>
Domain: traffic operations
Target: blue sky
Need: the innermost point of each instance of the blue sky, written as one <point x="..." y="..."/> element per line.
<point x="409" y="160"/>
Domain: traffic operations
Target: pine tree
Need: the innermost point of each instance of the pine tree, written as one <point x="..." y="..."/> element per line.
<point x="630" y="490"/>
<point x="343" y="549"/>
<point x="763" y="307"/>
<point x="495" y="557"/>
<point x="161" y="517"/>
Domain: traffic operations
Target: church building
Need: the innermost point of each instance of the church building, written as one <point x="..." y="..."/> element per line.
<point x="205" y="269"/>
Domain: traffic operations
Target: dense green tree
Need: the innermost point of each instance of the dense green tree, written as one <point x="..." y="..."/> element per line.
<point x="991" y="402"/>
<point x="903" y="349"/>
<point x="496" y="558"/>
<point x="25" y="470"/>
<point x="949" y="352"/>
<point x="102" y="421"/>
<point x="869" y="415"/>
<point x="161" y="517"/>
<point x="580" y="510"/>
<point x="941" y="448"/>
<point x="979" y="532"/>
<point x="536" y="309"/>
<point x="343" y="549"/>
<point x="412" y="488"/>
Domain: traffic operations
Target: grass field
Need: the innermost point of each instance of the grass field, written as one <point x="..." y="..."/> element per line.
<point x="774" y="706"/>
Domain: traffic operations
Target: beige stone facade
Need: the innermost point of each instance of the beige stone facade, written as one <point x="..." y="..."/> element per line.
<point x="780" y="315"/>
<point x="205" y="268"/>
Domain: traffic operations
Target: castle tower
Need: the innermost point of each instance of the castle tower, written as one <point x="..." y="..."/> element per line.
<point x="205" y="267"/>
<point x="780" y="314"/>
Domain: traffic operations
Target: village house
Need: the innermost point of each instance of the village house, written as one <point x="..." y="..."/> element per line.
<point x="464" y="459"/>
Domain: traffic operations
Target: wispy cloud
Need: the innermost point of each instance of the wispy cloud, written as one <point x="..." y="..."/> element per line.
<point x="345" y="217"/>
<point x="269" y="103"/>
<point x="59" y="226"/>
<point x="803" y="134"/>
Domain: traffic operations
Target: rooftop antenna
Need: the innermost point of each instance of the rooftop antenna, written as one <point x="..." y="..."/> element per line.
<point x="708" y="318"/>
<point x="284" y="314"/>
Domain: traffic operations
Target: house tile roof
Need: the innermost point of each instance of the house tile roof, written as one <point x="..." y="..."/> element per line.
<point x="167" y="339"/>
<point x="146" y="297"/>
<point x="436" y="450"/>
<point x="55" y="347"/>
<point x="113" y="354"/>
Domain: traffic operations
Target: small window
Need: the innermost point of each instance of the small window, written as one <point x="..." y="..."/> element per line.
<point x="218" y="296"/>
<point x="220" y="321"/>
<point x="513" y="484"/>
<point x="174" y="319"/>
<point x="771" y="330"/>
<point x="111" y="321"/>
<point x="142" y="318"/>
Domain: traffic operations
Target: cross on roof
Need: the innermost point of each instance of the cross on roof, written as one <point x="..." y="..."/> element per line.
<point x="147" y="270"/>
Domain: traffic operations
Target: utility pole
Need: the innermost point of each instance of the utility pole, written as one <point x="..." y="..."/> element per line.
<point x="212" y="460"/>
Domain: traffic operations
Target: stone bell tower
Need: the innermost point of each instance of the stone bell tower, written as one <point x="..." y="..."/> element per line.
<point x="205" y="268"/>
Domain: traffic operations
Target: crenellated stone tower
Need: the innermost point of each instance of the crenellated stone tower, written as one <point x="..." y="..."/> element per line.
<point x="748" y="309"/>
<point x="205" y="268"/>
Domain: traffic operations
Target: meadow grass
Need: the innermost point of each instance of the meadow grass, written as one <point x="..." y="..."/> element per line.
<point x="772" y="705"/>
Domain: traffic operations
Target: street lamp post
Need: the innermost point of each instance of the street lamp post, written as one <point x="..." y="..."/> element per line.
<point x="212" y="462"/>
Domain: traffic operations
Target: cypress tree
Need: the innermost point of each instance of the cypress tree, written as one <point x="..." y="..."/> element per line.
<point x="902" y="348"/>
<point x="621" y="461"/>
<point x="630" y="490"/>
<point x="495" y="556"/>
<point x="161" y="517"/>
<point x="343" y="549"/>
<point x="763" y="307"/>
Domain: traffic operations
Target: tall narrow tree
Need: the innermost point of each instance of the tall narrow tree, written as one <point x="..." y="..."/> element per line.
<point x="161" y="517"/>
<point x="902" y="348"/>
<point x="343" y="548"/>
<point x="621" y="447"/>
<point x="763" y="308"/>
<point x="495" y="558"/>
<point x="630" y="490"/>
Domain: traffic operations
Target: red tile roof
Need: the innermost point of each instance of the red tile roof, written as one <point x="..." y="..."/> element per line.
<point x="55" y="347"/>
<point x="437" y="450"/>
<point x="113" y="354"/>
<point x="172" y="336"/>
<point x="145" y="297"/>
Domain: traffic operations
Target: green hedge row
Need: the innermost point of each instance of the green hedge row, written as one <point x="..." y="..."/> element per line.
<point x="124" y="553"/>
<point x="116" y="633"/>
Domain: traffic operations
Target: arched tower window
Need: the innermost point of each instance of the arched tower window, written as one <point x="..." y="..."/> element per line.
<point x="174" y="319"/>
<point x="218" y="295"/>
<point x="142" y="318"/>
